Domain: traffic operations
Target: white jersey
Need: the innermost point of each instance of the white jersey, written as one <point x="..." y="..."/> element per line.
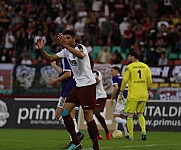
<point x="81" y="68"/>
<point x="100" y="92"/>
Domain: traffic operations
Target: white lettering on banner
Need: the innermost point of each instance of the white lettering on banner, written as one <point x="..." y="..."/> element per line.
<point x="158" y="71"/>
<point x="37" y="113"/>
<point x="161" y="122"/>
<point x="172" y="111"/>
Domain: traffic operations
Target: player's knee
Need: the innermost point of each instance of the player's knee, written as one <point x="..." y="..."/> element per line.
<point x="64" y="112"/>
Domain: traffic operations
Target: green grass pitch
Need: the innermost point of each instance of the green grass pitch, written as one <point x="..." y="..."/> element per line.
<point x="34" y="139"/>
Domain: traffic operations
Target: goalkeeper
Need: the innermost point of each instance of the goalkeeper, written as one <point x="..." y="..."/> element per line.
<point x="139" y="79"/>
<point x="119" y="114"/>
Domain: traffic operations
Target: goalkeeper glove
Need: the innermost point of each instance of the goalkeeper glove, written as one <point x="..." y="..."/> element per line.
<point x="120" y="97"/>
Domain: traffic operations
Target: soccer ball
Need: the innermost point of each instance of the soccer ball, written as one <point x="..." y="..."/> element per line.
<point x="117" y="134"/>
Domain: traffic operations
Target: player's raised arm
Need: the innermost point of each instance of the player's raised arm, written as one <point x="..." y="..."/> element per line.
<point x="54" y="65"/>
<point x="41" y="45"/>
<point x="64" y="41"/>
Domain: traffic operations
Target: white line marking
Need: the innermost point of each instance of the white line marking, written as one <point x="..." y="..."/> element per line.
<point x="152" y="145"/>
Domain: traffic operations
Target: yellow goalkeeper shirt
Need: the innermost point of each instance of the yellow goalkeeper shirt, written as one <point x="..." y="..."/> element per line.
<point x="139" y="79"/>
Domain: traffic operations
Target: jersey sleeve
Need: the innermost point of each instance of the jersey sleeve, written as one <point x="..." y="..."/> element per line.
<point x="126" y="76"/>
<point x="149" y="78"/>
<point x="66" y="66"/>
<point x="61" y="54"/>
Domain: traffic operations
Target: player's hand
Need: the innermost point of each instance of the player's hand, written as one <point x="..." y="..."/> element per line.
<point x="52" y="82"/>
<point x="40" y="43"/>
<point x="120" y="97"/>
<point x="62" y="39"/>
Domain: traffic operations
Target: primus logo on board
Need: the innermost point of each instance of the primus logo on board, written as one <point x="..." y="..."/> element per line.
<point x="37" y="115"/>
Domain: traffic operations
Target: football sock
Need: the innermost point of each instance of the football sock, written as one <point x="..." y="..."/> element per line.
<point x="123" y="122"/>
<point x="125" y="130"/>
<point x="69" y="124"/>
<point x="75" y="124"/>
<point x="102" y="122"/>
<point x="141" y="120"/>
<point x="130" y="126"/>
<point x="93" y="133"/>
<point x="120" y="120"/>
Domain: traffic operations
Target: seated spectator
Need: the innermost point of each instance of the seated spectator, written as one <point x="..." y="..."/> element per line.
<point x="162" y="60"/>
<point x="39" y="61"/>
<point x="116" y="58"/>
<point x="26" y="60"/>
<point x="104" y="56"/>
<point x="4" y="57"/>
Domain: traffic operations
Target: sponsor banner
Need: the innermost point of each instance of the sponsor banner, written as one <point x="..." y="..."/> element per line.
<point x="6" y="79"/>
<point x="162" y="116"/>
<point x="159" y="115"/>
<point x="40" y="114"/>
<point x="37" y="113"/>
<point x="33" y="80"/>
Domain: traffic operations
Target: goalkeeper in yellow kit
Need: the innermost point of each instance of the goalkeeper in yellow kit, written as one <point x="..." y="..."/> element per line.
<point x="139" y="79"/>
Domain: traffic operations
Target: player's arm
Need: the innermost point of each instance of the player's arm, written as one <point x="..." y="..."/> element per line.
<point x="149" y="79"/>
<point x="113" y="96"/>
<point x="80" y="54"/>
<point x="41" y="45"/>
<point x="54" y="65"/>
<point x="63" y="77"/>
<point x="98" y="77"/>
<point x="125" y="80"/>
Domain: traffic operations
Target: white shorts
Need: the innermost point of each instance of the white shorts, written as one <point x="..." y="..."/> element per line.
<point x="61" y="103"/>
<point x="119" y="108"/>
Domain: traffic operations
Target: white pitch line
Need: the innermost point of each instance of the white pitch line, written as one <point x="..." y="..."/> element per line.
<point x="152" y="145"/>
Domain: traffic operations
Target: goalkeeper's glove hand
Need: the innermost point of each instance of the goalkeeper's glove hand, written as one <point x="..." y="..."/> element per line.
<point x="120" y="97"/>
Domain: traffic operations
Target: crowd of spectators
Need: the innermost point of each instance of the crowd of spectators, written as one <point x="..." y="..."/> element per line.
<point x="152" y="27"/>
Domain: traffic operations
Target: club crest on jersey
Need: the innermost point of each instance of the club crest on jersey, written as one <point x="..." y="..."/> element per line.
<point x="73" y="62"/>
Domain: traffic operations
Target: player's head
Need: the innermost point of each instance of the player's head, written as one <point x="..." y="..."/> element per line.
<point x="70" y="37"/>
<point x="133" y="56"/>
<point x="115" y="70"/>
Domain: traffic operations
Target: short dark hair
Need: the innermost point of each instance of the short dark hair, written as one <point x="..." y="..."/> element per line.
<point x="134" y="53"/>
<point x="69" y="32"/>
<point x="116" y="68"/>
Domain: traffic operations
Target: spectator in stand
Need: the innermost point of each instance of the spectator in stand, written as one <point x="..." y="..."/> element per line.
<point x="38" y="36"/>
<point x="39" y="61"/>
<point x="116" y="58"/>
<point x="162" y="60"/>
<point x="104" y="56"/>
<point x="79" y="28"/>
<point x="4" y="57"/>
<point x="9" y="39"/>
<point x="26" y="60"/>
<point x="123" y="26"/>
<point x="59" y="24"/>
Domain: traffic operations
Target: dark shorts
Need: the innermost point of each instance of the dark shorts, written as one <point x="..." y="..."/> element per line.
<point x="100" y="104"/>
<point x="83" y="96"/>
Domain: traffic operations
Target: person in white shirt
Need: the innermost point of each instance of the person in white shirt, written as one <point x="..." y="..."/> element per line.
<point x="84" y="93"/>
<point x="101" y="98"/>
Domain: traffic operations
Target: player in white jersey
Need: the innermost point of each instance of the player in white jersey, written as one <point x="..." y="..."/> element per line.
<point x="101" y="98"/>
<point x="84" y="93"/>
